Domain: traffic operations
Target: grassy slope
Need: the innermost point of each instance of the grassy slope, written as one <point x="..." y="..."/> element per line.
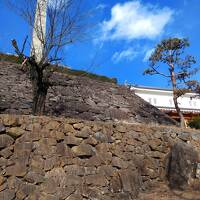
<point x="65" y="70"/>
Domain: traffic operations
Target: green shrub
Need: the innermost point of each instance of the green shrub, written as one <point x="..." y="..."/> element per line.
<point x="195" y="123"/>
<point x="9" y="58"/>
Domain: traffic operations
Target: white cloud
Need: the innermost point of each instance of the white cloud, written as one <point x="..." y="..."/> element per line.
<point x="101" y="7"/>
<point x="128" y="55"/>
<point x="134" y="20"/>
<point x="148" y="54"/>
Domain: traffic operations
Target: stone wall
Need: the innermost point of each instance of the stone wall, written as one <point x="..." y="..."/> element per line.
<point x="56" y="158"/>
<point x="77" y="97"/>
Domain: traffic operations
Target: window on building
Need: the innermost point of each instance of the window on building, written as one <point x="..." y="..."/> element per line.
<point x="170" y="102"/>
<point x="149" y="100"/>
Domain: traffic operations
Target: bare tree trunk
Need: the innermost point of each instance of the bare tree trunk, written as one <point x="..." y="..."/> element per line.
<point x="40" y="88"/>
<point x="175" y="98"/>
<point x="180" y="114"/>
<point x="39" y="97"/>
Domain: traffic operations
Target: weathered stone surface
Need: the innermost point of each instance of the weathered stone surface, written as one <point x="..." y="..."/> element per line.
<point x="3" y="162"/>
<point x="52" y="125"/>
<point x="22" y="148"/>
<point x="131" y="181"/>
<point x="74" y="197"/>
<point x="71" y="140"/>
<point x="185" y="136"/>
<point x="115" y="184"/>
<point x="19" y="170"/>
<point x="6" y="153"/>
<point x="5" y="141"/>
<point x="2" y="179"/>
<point x="10" y="120"/>
<point x="14" y="183"/>
<point x="99" y="136"/>
<point x="45" y="196"/>
<point x="37" y="163"/>
<point x="7" y="194"/>
<point x="2" y="128"/>
<point x="46" y="146"/>
<point x="73" y="180"/>
<point x="49" y="186"/>
<point x="119" y="163"/>
<point x="34" y="177"/>
<point x="181" y="165"/>
<point x="74" y="170"/>
<point x="25" y="189"/>
<point x="78" y="126"/>
<point x="106" y="170"/>
<point x="68" y="128"/>
<point x="97" y="180"/>
<point x="84" y="133"/>
<point x="70" y="162"/>
<point x="15" y="132"/>
<point x="51" y="162"/>
<point x="64" y="150"/>
<point x="58" y="175"/>
<point x="156" y="154"/>
<point x="84" y="150"/>
<point x="91" y="140"/>
<point x="121" y="129"/>
<point x="95" y="160"/>
<point x="77" y="97"/>
<point x="154" y="144"/>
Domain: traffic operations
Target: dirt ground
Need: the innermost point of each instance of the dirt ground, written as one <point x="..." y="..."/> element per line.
<point x="162" y="192"/>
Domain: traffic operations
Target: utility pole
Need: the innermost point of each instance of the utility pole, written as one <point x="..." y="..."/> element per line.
<point x="39" y="30"/>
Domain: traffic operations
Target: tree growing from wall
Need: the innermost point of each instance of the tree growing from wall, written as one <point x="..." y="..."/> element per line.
<point x="66" y="23"/>
<point x="170" y="61"/>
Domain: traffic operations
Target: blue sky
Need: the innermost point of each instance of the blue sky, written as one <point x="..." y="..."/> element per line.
<point x="125" y="35"/>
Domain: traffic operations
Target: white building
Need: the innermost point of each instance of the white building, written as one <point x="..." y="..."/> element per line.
<point x="163" y="100"/>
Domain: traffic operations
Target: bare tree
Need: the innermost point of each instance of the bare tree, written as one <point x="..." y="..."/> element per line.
<point x="176" y="67"/>
<point x="66" y="23"/>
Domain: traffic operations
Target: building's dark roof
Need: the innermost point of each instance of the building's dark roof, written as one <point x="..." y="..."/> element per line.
<point x="154" y="88"/>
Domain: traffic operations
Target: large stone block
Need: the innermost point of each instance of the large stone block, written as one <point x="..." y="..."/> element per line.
<point x="84" y="133"/>
<point x="131" y="181"/>
<point x="72" y="140"/>
<point x="7" y="194"/>
<point x="2" y="128"/>
<point x="180" y="166"/>
<point x="5" y="141"/>
<point x="96" y="180"/>
<point x="84" y="150"/>
<point x="25" y="189"/>
<point x="18" y="170"/>
<point x="11" y="120"/>
<point x="15" y="132"/>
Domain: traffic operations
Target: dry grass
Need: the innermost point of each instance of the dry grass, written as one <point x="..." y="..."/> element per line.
<point x="60" y="69"/>
<point x="162" y="192"/>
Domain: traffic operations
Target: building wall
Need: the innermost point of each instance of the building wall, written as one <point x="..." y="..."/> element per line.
<point x="164" y="98"/>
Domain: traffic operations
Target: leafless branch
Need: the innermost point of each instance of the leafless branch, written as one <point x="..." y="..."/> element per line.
<point x="160" y="73"/>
